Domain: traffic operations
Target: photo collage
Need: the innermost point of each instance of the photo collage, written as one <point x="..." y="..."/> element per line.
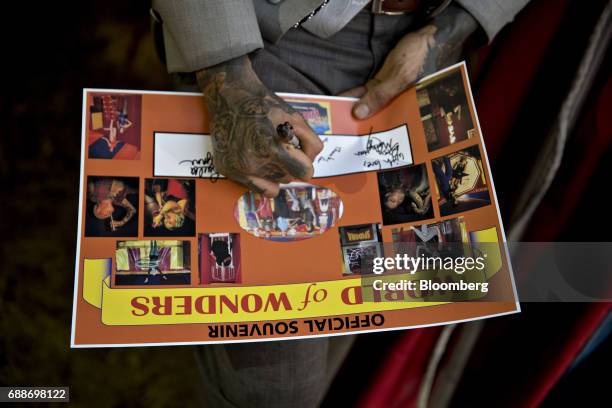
<point x="172" y="249"/>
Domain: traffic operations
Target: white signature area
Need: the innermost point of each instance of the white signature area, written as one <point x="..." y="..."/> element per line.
<point x="191" y="155"/>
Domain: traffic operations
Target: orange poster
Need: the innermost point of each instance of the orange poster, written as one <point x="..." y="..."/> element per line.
<point x="399" y="227"/>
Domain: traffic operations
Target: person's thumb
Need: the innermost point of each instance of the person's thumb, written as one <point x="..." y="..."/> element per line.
<point x="378" y="94"/>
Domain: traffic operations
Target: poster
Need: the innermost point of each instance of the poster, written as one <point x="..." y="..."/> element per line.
<point x="171" y="252"/>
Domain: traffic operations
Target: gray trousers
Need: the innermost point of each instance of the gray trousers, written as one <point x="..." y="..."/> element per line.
<point x="297" y="373"/>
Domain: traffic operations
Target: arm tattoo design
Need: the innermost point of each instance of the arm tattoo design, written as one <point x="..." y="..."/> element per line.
<point x="245" y="140"/>
<point x="454" y="27"/>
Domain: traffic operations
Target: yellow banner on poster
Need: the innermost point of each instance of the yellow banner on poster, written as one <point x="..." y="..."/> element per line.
<point x="161" y="305"/>
<point x="155" y="306"/>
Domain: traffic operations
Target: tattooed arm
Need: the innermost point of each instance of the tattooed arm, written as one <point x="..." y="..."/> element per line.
<point x="422" y="52"/>
<point x="244" y="116"/>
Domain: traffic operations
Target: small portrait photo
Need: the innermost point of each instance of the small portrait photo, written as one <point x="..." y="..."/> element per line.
<point x="405" y="195"/>
<point x="316" y="114"/>
<point x="445" y="110"/>
<point x="169" y="208"/>
<point x="461" y="181"/>
<point x="220" y="257"/>
<point x="114" y="127"/>
<point x="300" y="211"/>
<point x="153" y="263"/>
<point x="360" y="244"/>
<point x="111" y="207"/>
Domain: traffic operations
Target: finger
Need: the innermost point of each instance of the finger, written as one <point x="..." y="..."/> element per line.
<point x="377" y="96"/>
<point x="287" y="179"/>
<point x="259" y="185"/>
<point x="310" y="142"/>
<point x="295" y="162"/>
<point x="357" y="92"/>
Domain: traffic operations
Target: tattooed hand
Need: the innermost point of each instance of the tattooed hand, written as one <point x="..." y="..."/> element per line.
<point x="419" y="53"/>
<point x="244" y="118"/>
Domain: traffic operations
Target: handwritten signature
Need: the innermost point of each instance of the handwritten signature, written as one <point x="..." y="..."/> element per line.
<point x="203" y="167"/>
<point x="330" y="156"/>
<point x="390" y="150"/>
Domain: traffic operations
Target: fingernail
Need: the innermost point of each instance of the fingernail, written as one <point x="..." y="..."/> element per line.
<point x="361" y="111"/>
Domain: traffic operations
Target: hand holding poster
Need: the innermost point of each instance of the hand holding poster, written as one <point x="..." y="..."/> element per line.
<point x="171" y="252"/>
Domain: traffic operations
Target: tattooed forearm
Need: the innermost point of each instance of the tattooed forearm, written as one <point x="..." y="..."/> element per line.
<point x="242" y="112"/>
<point x="454" y="27"/>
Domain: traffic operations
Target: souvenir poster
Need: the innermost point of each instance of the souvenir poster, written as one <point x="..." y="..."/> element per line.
<point x="170" y="251"/>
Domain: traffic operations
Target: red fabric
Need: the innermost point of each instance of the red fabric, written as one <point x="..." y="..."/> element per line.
<point x="398" y="380"/>
<point x="518" y="359"/>
<point x="569" y="350"/>
<point x="594" y="138"/>
<point x="505" y="83"/>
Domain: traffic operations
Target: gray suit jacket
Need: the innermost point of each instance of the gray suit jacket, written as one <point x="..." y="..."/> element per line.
<point x="202" y="33"/>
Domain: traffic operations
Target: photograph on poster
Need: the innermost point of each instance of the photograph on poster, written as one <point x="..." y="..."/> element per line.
<point x="220" y="260"/>
<point x="461" y="181"/>
<point x="316" y="114"/>
<point x="112" y="207"/>
<point x="114" y="127"/>
<point x="169" y="207"/>
<point x="405" y="195"/>
<point x="360" y="244"/>
<point x="444" y="110"/>
<point x="300" y="211"/>
<point x="153" y="262"/>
